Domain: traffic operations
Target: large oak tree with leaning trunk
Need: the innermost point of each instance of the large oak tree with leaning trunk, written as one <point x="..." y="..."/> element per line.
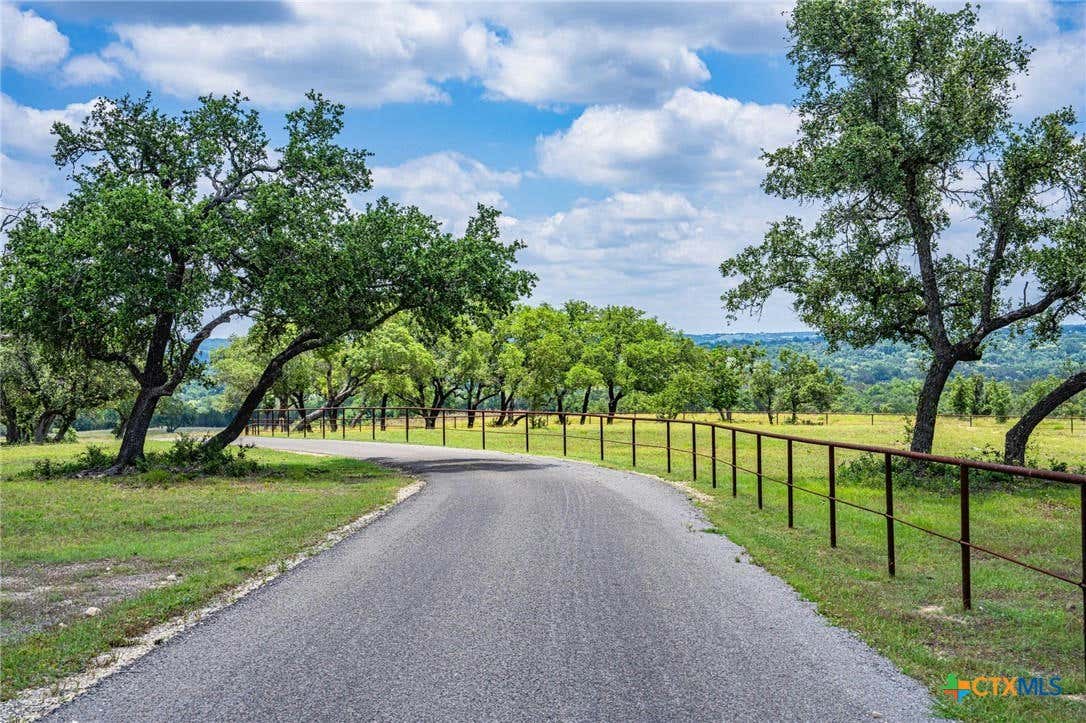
<point x="178" y="224"/>
<point x="905" y="125"/>
<point x="154" y="248"/>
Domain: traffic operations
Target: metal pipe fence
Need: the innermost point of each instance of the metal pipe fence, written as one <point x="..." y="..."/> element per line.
<point x="1074" y="424"/>
<point x="535" y="424"/>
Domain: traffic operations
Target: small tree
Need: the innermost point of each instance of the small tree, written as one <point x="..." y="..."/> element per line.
<point x="961" y="395"/>
<point x="630" y="351"/>
<point x="729" y="368"/>
<point x="765" y="385"/>
<point x="998" y="400"/>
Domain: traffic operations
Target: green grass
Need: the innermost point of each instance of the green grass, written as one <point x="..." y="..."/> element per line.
<point x="213" y="532"/>
<point x="1022" y="623"/>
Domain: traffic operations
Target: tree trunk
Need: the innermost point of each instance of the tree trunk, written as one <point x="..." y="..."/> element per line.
<point x="584" y="404"/>
<point x="384" y="411"/>
<point x="612" y="403"/>
<point x="1014" y="451"/>
<point x="12" y="433"/>
<point x="504" y="403"/>
<point x="135" y="432"/>
<point x="301" y="344"/>
<point x="65" y="425"/>
<point x="41" y="428"/>
<point x="927" y="407"/>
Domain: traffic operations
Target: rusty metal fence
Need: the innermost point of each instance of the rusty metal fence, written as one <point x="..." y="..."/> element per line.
<point x="722" y="437"/>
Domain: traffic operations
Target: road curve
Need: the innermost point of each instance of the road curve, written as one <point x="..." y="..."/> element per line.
<point x="513" y="588"/>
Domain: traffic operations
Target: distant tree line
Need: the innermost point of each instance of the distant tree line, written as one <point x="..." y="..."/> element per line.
<point x="572" y="359"/>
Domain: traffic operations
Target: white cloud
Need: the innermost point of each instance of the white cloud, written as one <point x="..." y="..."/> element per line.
<point x="364" y="55"/>
<point x="656" y="250"/>
<point x="30" y="42"/>
<point x="371" y="54"/>
<point x="88" y="69"/>
<point x="25" y="182"/>
<point x="1057" y="70"/>
<point x="29" y="129"/>
<point x="695" y="138"/>
<point x="610" y="53"/>
<point x="448" y="185"/>
<point x="1057" y="76"/>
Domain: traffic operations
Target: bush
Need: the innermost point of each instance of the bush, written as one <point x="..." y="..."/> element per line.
<point x="869" y="471"/>
<point x="187" y="454"/>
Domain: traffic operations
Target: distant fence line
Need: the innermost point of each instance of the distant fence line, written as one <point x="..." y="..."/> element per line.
<point x="508" y="422"/>
<point x="782" y="416"/>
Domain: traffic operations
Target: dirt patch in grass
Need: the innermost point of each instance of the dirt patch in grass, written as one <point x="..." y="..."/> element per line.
<point x="37" y="597"/>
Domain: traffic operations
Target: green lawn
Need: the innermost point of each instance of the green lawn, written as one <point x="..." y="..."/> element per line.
<point x="1022" y="623"/>
<point x="112" y="543"/>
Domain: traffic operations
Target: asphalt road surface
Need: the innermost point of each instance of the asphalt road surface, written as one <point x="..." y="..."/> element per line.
<point x="513" y="588"/>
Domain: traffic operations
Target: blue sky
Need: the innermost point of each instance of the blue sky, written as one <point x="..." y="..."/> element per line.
<point x="620" y="140"/>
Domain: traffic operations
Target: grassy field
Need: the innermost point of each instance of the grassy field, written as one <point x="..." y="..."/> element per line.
<point x="1022" y="623"/>
<point x="148" y="547"/>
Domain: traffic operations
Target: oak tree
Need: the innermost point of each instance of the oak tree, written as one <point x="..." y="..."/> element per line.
<point x="904" y="118"/>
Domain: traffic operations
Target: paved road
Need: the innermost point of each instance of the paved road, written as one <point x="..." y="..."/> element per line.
<point x="514" y="588"/>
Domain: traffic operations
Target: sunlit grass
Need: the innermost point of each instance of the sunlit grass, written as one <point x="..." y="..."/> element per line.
<point x="212" y="532"/>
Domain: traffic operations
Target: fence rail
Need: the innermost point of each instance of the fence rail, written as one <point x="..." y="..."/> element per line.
<point x="327" y="421"/>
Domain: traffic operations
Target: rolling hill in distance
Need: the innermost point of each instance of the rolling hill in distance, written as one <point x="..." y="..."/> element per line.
<point x="1007" y="358"/>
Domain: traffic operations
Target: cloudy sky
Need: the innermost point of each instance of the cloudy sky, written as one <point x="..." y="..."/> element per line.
<point x="621" y="141"/>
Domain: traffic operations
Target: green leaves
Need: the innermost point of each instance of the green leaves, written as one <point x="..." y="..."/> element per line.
<point x="904" y="126"/>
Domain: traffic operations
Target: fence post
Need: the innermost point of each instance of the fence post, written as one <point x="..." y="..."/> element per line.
<point x="833" y="498"/>
<point x="526" y="425"/>
<point x="1082" y="533"/>
<point x="373" y="424"/>
<point x="712" y="439"/>
<point x="564" y="449"/>
<point x="667" y="443"/>
<point x="791" y="490"/>
<point x="872" y="420"/>
<point x="601" y="437"/>
<point x="890" y="562"/>
<point x="967" y="583"/>
<point x="406" y="424"/>
<point x="633" y="440"/>
<point x="482" y="425"/>
<point x="442" y="427"/>
<point x="343" y="422"/>
<point x="694" y="448"/>
<point x="274" y="422"/>
<point x="758" y="440"/>
<point x="324" y="413"/>
<point x="735" y="472"/>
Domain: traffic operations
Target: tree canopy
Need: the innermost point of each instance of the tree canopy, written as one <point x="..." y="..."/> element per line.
<point x="904" y="118"/>
<point x="180" y="223"/>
